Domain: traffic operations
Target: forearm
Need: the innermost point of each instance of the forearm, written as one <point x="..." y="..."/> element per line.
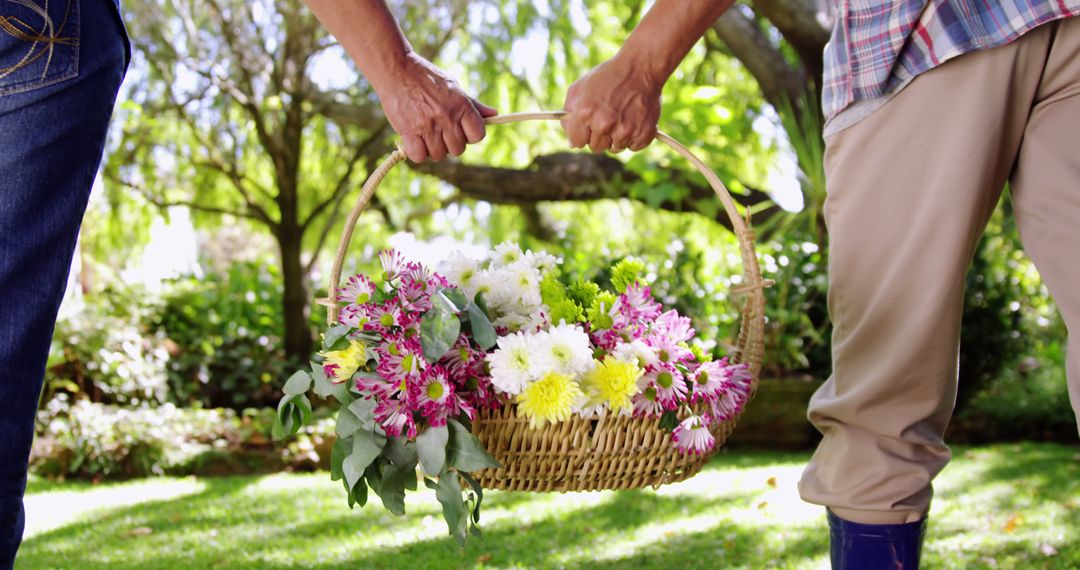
<point x="667" y="32"/>
<point x="368" y="32"/>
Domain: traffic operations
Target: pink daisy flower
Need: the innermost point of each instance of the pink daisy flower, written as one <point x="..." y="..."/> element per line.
<point x="667" y="351"/>
<point x="693" y="436"/>
<point x="415" y="294"/>
<point x="669" y="383"/>
<point x="355" y="316"/>
<point x="637" y="303"/>
<point x="401" y="361"/>
<point x="382" y="318"/>
<point x="709" y="380"/>
<point x="395" y="419"/>
<point x="435" y="397"/>
<point x="647" y="403"/>
<point x="357" y="289"/>
<point x="673" y="326"/>
<point x="393" y="263"/>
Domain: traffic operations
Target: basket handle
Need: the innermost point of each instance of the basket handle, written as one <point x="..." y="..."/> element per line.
<point x="753" y="284"/>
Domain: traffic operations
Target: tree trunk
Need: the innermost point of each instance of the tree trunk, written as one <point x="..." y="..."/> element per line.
<point x="298" y="341"/>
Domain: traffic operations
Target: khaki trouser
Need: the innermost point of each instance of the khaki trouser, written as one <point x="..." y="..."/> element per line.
<point x="910" y="189"/>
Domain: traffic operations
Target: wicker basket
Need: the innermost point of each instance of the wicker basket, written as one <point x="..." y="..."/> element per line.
<point x="613" y="452"/>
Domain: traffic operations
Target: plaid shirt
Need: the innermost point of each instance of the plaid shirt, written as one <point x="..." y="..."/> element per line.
<point x="878" y="46"/>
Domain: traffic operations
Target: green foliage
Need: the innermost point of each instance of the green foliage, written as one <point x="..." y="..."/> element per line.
<point x="102" y="352"/>
<point x="223" y="330"/>
<point x="625" y="273"/>
<point x="97" y="441"/>
<point x="563" y="307"/>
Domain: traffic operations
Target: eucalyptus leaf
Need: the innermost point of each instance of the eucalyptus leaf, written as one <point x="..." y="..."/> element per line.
<point x="347" y="422"/>
<point x="467" y="454"/>
<point x="367" y="446"/>
<point x="297" y="384"/>
<point x="333" y="336"/>
<point x="431" y="448"/>
<point x="456" y="297"/>
<point x="364" y="410"/>
<point x="480" y="302"/>
<point x="483" y="332"/>
<point x="303" y="405"/>
<point x="400" y="451"/>
<point x="342" y="448"/>
<point x="479" y="490"/>
<point x="395" y="481"/>
<point x="439" y="329"/>
<point x="324" y="388"/>
<point x="449" y="494"/>
<point x="374" y="477"/>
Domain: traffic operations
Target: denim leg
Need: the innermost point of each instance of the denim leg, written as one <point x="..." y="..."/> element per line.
<point x="59" y="77"/>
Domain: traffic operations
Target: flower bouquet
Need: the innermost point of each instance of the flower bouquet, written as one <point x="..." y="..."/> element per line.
<point x="417" y="359"/>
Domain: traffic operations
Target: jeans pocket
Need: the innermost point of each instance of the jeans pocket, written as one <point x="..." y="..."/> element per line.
<point x="39" y="43"/>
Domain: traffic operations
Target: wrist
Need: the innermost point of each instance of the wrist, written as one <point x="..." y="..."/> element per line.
<point x="390" y="67"/>
<point x="643" y="64"/>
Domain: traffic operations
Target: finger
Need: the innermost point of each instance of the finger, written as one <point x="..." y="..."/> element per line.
<point x="473" y="126"/>
<point x="484" y="110"/>
<point x="436" y="148"/>
<point x="599" y="142"/>
<point x="643" y="138"/>
<point x="454" y="139"/>
<point x="621" y="138"/>
<point x="577" y="132"/>
<point x="415" y="148"/>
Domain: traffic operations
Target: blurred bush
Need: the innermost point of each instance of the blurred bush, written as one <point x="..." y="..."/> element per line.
<point x="103" y="352"/>
<point x="222" y="335"/>
<point x="98" y="441"/>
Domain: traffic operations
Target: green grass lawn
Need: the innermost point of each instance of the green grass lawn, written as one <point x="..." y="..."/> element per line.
<point x="1007" y="506"/>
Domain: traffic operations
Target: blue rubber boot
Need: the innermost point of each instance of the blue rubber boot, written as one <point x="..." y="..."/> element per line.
<point x="855" y="546"/>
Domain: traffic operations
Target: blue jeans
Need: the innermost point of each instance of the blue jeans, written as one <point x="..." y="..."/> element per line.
<point x="61" y="64"/>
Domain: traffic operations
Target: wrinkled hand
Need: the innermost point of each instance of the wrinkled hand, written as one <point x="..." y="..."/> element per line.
<point x="431" y="112"/>
<point x="613" y="107"/>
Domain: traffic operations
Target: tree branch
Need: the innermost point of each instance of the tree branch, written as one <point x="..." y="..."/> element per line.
<point x="780" y="82"/>
<point x="798" y="21"/>
<point x="573" y="176"/>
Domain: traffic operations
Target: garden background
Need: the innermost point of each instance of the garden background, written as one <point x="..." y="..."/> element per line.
<point x="242" y="135"/>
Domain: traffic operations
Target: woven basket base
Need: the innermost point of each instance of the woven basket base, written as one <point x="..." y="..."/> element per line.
<point x="583" y="454"/>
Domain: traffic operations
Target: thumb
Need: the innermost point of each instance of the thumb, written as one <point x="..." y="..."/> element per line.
<point x="484" y="110"/>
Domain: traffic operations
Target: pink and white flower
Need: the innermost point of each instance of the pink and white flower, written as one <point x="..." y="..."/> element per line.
<point x="393" y="263"/>
<point x="692" y="435"/>
<point x="395" y="418"/>
<point x="669" y="383"/>
<point x="357" y="290"/>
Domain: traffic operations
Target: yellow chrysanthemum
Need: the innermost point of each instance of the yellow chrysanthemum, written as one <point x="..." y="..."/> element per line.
<point x="345" y="362"/>
<point x="613" y="382"/>
<point x="549" y="399"/>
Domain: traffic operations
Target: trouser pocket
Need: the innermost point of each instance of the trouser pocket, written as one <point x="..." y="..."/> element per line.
<point x="39" y="43"/>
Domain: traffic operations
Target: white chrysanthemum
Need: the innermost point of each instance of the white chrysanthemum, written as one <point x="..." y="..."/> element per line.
<point x="506" y="253"/>
<point x="513" y="364"/>
<point x="487" y="282"/>
<point x="541" y="261"/>
<point x="524" y="280"/>
<point x="635" y="351"/>
<point x="460" y="269"/>
<point x="564" y="349"/>
<point x="513" y="322"/>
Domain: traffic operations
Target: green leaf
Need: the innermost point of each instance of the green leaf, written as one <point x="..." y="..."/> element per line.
<point x="297" y="384"/>
<point x="479" y="490"/>
<point x="374" y="477"/>
<point x="669" y="420"/>
<point x="482" y="330"/>
<point x="285" y="423"/>
<point x="457" y="298"/>
<point x="449" y="494"/>
<point x="324" y="388"/>
<point x="334" y="335"/>
<point x="430" y="483"/>
<point x="342" y="448"/>
<point x="480" y="302"/>
<point x="439" y="330"/>
<point x="303" y="406"/>
<point x="395" y="481"/>
<point x="400" y="451"/>
<point x="431" y="447"/>
<point x="467" y="454"/>
<point x="366" y="447"/>
<point x="347" y="422"/>
<point x="364" y="410"/>
<point x="358" y="494"/>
